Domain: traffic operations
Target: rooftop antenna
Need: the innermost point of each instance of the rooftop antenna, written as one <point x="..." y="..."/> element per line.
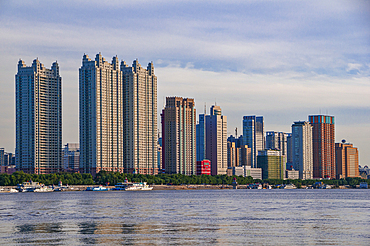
<point x="215" y="102"/>
<point x="205" y="108"/>
<point x="163" y="102"/>
<point x="236" y="131"/>
<point x="327" y="112"/>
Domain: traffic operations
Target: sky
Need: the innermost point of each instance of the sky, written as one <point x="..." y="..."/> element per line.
<point x="284" y="60"/>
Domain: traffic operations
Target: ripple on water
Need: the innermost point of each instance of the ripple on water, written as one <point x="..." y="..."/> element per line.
<point x="220" y="217"/>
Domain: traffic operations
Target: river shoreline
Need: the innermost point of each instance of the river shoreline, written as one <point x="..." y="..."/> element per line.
<point x="6" y="189"/>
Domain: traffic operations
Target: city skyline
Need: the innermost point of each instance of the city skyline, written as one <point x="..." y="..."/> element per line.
<point x="284" y="61"/>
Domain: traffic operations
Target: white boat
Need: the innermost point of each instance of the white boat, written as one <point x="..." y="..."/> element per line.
<point x="132" y="186"/>
<point x="8" y="190"/>
<point x="43" y="189"/>
<point x="290" y="186"/>
<point x="100" y="188"/>
<point x="31" y="186"/>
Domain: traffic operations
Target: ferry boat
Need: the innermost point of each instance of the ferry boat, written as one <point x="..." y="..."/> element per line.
<point x="31" y="186"/>
<point x="132" y="186"/>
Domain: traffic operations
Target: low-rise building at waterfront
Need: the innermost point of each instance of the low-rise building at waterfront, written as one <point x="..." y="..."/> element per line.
<point x="292" y="174"/>
<point x="245" y="171"/>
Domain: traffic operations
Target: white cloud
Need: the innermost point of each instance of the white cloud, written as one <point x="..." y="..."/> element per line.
<point x="282" y="59"/>
<point x="353" y="66"/>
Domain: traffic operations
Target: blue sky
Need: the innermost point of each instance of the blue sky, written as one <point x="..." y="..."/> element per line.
<point x="284" y="60"/>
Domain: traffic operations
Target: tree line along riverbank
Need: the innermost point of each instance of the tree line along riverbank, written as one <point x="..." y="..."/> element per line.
<point x="112" y="178"/>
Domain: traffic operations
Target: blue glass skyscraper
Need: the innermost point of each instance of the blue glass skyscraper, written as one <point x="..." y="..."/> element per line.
<point x="201" y="138"/>
<point x="253" y="136"/>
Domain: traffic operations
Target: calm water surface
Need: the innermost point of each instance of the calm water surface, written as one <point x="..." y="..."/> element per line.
<point x="193" y="217"/>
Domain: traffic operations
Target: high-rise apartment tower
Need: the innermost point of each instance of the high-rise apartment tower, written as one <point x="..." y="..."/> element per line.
<point x="140" y="118"/>
<point x="118" y="117"/>
<point x="101" y="115"/>
<point x="38" y="118"/>
<point x="302" y="149"/>
<point x="323" y="138"/>
<point x="216" y="140"/>
<point x="178" y="136"/>
<point x="346" y="158"/>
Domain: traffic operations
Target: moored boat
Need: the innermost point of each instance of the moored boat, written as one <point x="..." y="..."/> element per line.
<point x="31" y="186"/>
<point x="100" y="188"/>
<point x="290" y="186"/>
<point x="129" y="186"/>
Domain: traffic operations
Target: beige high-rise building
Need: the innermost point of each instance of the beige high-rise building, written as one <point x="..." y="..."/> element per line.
<point x="232" y="155"/>
<point x="101" y="115"/>
<point x="346" y="157"/>
<point x="140" y="118"/>
<point x="118" y="117"/>
<point x="216" y="140"/>
<point x="38" y="118"/>
<point x="246" y="156"/>
<point x="178" y="136"/>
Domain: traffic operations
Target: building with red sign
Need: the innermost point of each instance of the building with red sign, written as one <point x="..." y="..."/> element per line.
<point x="204" y="167"/>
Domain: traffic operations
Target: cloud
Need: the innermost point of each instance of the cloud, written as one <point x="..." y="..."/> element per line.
<point x="353" y="66"/>
<point x="283" y="59"/>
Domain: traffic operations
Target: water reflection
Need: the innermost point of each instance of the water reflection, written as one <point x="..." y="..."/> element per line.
<point x="40" y="233"/>
<point x="88" y="228"/>
<point x="187" y="217"/>
<point x="39" y="228"/>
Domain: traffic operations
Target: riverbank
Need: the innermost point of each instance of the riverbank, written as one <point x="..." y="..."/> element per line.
<point x="7" y="189"/>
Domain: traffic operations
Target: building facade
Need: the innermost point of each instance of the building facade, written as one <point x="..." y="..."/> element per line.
<point x="71" y="157"/>
<point x="289" y="153"/>
<point x="232" y="155"/>
<point x="302" y="149"/>
<point x="178" y="136"/>
<point x="38" y="118"/>
<point x="277" y="140"/>
<point x="245" y="171"/>
<point x="253" y="136"/>
<point x="118" y="117"/>
<point x="272" y="163"/>
<point x="346" y="157"/>
<point x="204" y="167"/>
<point x="323" y="139"/>
<point x="216" y="140"/>
<point x="2" y="153"/>
<point x="140" y="118"/>
<point x="101" y="115"/>
<point x="201" y="137"/>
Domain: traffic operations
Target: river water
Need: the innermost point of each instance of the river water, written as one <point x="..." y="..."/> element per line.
<point x="187" y="217"/>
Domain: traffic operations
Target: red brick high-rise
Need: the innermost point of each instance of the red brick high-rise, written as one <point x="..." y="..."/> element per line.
<point x="323" y="138"/>
<point x="346" y="159"/>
